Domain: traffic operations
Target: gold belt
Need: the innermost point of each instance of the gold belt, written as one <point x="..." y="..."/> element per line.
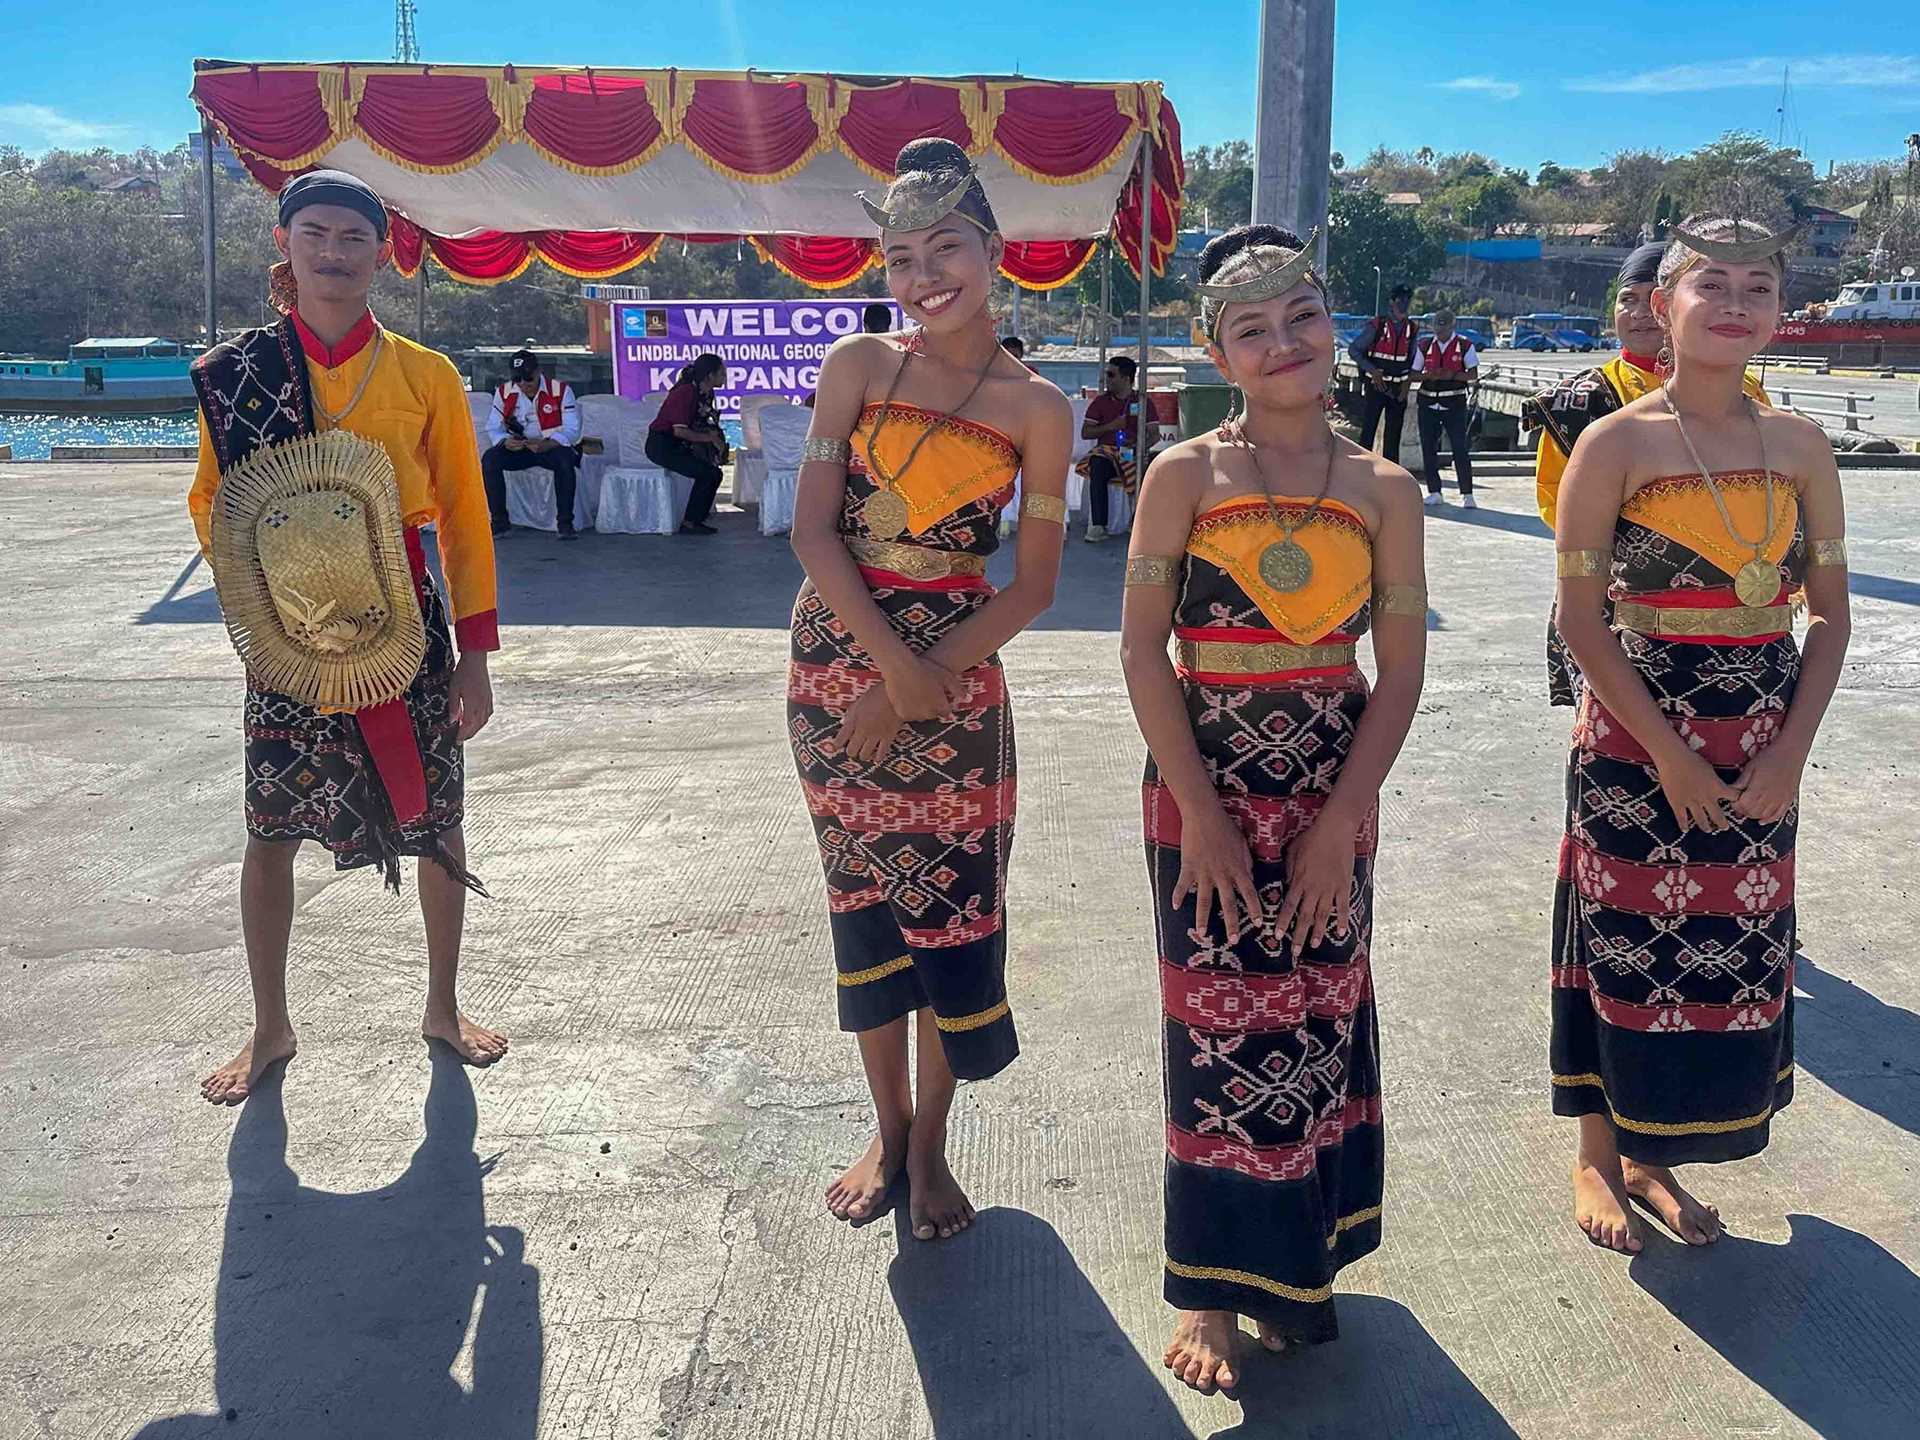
<point x="916" y="562"/>
<point x="1232" y="657"/>
<point x="1736" y="621"/>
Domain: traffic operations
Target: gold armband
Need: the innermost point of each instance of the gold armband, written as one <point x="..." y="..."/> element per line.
<point x="1044" y="507"/>
<point x="818" y="447"/>
<point x="1152" y="570"/>
<point x="1827" y="552"/>
<point x="1582" y="562"/>
<point x="1400" y="600"/>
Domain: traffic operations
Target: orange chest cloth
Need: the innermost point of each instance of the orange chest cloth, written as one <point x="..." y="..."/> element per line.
<point x="1681" y="508"/>
<point x="959" y="462"/>
<point x="1233" y="535"/>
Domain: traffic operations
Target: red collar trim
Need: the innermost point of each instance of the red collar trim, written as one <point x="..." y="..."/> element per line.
<point x="332" y="357"/>
<point x="1641" y="362"/>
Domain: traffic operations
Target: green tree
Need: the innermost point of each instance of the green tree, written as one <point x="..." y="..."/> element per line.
<point x="1554" y="177"/>
<point x="1480" y="205"/>
<point x="1220" y="184"/>
<point x="1364" y="231"/>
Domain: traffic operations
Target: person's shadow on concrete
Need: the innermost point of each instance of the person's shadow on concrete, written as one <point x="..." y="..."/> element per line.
<point x="1385" y="1376"/>
<point x="1824" y="1323"/>
<point x="343" y="1315"/>
<point x="1011" y="1339"/>
<point x="1857" y="1044"/>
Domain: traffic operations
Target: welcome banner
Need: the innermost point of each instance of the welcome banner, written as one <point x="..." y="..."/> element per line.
<point x="772" y="347"/>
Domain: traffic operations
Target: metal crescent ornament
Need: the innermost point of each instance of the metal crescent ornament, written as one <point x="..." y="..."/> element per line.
<point x="1738" y="251"/>
<point x="923" y="214"/>
<point x="1266" y="283"/>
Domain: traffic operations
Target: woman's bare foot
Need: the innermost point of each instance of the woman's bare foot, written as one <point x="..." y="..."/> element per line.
<point x="473" y="1043"/>
<point x="1601" y="1207"/>
<point x="1272" y="1339"/>
<point x="1205" y="1349"/>
<point x="858" y="1193"/>
<point x="1685" y="1216"/>
<point x="234" y="1081"/>
<point x="936" y="1204"/>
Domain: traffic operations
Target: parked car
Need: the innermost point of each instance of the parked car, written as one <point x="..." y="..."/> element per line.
<point x="1536" y="341"/>
<point x="1575" y="340"/>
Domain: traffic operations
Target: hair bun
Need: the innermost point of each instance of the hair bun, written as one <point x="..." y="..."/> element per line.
<point x="932" y="154"/>
<point x="1223" y="248"/>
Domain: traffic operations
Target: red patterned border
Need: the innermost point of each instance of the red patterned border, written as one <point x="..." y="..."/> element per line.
<point x="1271" y="1162"/>
<point x="1233" y="1001"/>
<point x="953" y="935"/>
<point x="1269" y="823"/>
<point x="896" y="812"/>
<point x="1658" y="1019"/>
<point x="1729" y="743"/>
<point x="1689" y="888"/>
<point x="834" y="687"/>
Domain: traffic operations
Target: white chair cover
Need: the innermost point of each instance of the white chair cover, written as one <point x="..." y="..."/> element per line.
<point x="749" y="464"/>
<point x="640" y="502"/>
<point x="599" y="420"/>
<point x="783" y="438"/>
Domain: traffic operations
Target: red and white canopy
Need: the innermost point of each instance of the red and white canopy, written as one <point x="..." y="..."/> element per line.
<point x="591" y="170"/>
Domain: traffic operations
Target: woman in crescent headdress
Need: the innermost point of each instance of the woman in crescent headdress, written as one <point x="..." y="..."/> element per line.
<point x="1265" y="551"/>
<point x="896" y="703"/>
<point x="1687" y="523"/>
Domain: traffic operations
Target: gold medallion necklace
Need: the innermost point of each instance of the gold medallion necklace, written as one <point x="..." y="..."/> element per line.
<point x="887" y="512"/>
<point x="1757" y="582"/>
<point x="333" y="418"/>
<point x="1285" y="564"/>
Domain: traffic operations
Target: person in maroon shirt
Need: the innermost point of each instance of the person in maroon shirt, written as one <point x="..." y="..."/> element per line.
<point x="1113" y="424"/>
<point x="685" y="438"/>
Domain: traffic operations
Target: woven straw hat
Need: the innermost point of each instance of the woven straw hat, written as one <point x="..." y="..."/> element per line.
<point x="312" y="572"/>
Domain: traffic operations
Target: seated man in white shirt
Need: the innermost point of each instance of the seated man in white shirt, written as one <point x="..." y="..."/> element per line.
<point x="534" y="422"/>
<point x="1445" y="364"/>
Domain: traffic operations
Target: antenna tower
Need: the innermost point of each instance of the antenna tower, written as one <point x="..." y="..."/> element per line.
<point x="406" y="44"/>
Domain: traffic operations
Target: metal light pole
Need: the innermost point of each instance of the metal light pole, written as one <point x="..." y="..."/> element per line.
<point x="1293" y="138"/>
<point x="1146" y="274"/>
<point x="206" y="228"/>
<point x="1376" y="289"/>
<point x="1106" y="300"/>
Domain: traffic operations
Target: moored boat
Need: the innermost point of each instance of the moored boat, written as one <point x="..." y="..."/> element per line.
<point x="120" y="375"/>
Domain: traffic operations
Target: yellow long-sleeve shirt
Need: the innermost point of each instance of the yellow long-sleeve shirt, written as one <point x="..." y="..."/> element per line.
<point x="415" y="404"/>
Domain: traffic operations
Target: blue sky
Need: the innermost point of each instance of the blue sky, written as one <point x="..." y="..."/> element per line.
<point x="1524" y="83"/>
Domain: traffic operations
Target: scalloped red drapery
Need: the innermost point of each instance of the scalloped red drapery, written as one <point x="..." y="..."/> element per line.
<point x="1169" y="189"/>
<point x="1051" y="133"/>
<point x="825" y="262"/>
<point x="275" y="114"/>
<point x="594" y="122"/>
<point x="750" y="129"/>
<point x="429" y="121"/>
<point x="880" y="119"/>
<point x="1046" y="264"/>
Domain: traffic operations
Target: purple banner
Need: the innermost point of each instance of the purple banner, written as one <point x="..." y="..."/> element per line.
<point x="772" y="347"/>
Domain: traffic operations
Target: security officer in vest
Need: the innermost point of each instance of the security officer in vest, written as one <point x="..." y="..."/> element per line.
<point x="534" y="423"/>
<point x="1384" y="353"/>
<point x="1445" y="363"/>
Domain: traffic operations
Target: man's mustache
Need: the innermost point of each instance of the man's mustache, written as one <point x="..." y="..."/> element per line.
<point x="339" y="270"/>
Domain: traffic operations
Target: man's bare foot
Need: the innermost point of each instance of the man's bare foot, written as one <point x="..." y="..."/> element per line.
<point x="1272" y="1338"/>
<point x="1602" y="1209"/>
<point x="858" y="1193"/>
<point x="1205" y="1349"/>
<point x="936" y="1204"/>
<point x="473" y="1043"/>
<point x="1685" y="1216"/>
<point x="234" y="1081"/>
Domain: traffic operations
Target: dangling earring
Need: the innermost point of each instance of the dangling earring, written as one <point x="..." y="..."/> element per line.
<point x="1225" y="432"/>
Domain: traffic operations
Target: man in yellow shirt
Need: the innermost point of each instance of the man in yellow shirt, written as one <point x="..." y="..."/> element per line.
<point x="369" y="786"/>
<point x="1563" y="412"/>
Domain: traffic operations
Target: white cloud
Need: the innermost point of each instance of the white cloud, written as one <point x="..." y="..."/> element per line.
<point x="1759" y="70"/>
<point x="1485" y="85"/>
<point x="41" y="126"/>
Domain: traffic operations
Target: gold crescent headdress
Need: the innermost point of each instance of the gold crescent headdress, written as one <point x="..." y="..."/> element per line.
<point x="1749" y="242"/>
<point x="1275" y="270"/>
<point x="911" y="203"/>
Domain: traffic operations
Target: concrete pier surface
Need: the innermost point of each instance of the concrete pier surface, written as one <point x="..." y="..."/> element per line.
<point x="619" y="1230"/>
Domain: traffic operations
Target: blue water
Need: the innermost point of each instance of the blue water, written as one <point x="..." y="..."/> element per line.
<point x="34" y="436"/>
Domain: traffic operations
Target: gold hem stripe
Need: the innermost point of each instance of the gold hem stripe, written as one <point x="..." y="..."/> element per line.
<point x="877" y="972"/>
<point x="961" y="1023"/>
<point x="1347" y="1222"/>
<point x="1662" y="1127"/>
<point x="1248" y="1278"/>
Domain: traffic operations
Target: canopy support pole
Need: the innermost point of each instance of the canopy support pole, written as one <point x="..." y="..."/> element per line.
<point x="206" y="228"/>
<point x="420" y="299"/>
<point x="1106" y="298"/>
<point x="1146" y="292"/>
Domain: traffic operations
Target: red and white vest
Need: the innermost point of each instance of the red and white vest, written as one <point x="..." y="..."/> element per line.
<point x="546" y="403"/>
<point x="1446" y="359"/>
<point x="1392" y="347"/>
